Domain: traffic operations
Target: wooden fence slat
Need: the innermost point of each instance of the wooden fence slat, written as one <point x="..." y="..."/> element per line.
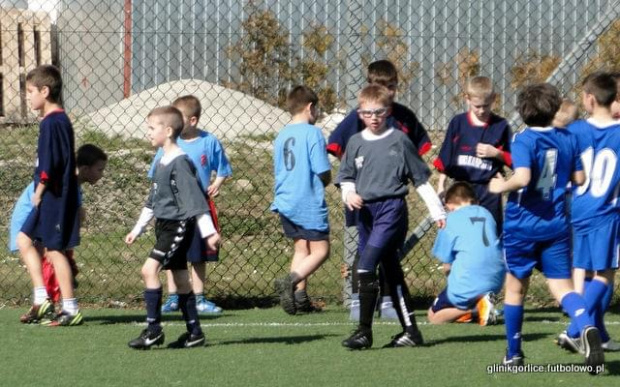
<point x="13" y="73"/>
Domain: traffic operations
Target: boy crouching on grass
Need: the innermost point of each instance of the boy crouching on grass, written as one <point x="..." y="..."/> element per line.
<point x="472" y="258"/>
<point x="178" y="204"/>
<point x="377" y="165"/>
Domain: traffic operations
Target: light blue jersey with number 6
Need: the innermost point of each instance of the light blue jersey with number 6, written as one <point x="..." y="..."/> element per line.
<point x="299" y="157"/>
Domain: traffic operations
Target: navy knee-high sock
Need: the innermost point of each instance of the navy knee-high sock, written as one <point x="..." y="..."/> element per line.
<point x="187" y="304"/>
<point x="152" y="298"/>
<point x="369" y="290"/>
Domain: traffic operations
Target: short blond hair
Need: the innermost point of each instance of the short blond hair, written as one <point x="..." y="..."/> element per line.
<point x="481" y="87"/>
<point x="375" y="93"/>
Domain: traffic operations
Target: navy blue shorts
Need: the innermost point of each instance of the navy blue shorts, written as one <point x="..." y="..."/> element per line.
<point x="383" y="226"/>
<point x="174" y="238"/>
<point x="291" y="230"/>
<point x="198" y="251"/>
<point x="442" y="302"/>
<point x="551" y="257"/>
<point x="60" y="236"/>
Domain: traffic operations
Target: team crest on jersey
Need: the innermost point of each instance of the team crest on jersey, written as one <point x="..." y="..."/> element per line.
<point x="359" y="162"/>
<point x="203" y="160"/>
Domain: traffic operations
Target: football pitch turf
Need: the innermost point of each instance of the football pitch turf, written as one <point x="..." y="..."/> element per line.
<point x="265" y="347"/>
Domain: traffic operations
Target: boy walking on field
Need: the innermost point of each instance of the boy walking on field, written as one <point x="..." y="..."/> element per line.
<point x="384" y="73"/>
<point x="208" y="156"/>
<point x="536" y="230"/>
<point x="53" y="223"/>
<point x="378" y="164"/>
<point x="179" y="206"/>
<point x="302" y="171"/>
<point x="594" y="212"/>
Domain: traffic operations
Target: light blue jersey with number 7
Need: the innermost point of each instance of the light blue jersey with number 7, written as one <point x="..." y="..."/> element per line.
<point x="538" y="211"/>
<point x="470" y="244"/>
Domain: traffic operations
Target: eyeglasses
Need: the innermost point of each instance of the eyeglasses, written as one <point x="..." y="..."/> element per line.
<point x="381" y="112"/>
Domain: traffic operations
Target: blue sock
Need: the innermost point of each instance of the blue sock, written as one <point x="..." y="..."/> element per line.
<point x="187" y="304"/>
<point x="604" y="305"/>
<point x="573" y="330"/>
<point x="578" y="310"/>
<point x="595" y="294"/>
<point x="513" y="317"/>
<point x="152" y="298"/>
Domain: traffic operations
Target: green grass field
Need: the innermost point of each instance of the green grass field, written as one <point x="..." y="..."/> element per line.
<point x="265" y="347"/>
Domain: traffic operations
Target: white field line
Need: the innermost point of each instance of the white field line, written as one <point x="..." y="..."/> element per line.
<point x="327" y="324"/>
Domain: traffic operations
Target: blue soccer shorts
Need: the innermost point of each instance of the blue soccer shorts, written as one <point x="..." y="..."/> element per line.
<point x="551" y="257"/>
<point x="597" y="249"/>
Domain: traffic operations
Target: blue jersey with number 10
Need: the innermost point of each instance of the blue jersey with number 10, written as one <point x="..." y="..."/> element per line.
<point x="537" y="211"/>
<point x="595" y="202"/>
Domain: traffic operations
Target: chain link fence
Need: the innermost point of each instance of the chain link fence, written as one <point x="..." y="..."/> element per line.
<point x="119" y="59"/>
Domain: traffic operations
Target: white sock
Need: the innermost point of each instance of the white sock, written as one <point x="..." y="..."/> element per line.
<point x="40" y="295"/>
<point x="70" y="306"/>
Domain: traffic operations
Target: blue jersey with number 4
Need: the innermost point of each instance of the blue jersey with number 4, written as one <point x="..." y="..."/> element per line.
<point x="595" y="202"/>
<point x="299" y="157"/>
<point x="538" y="211"/>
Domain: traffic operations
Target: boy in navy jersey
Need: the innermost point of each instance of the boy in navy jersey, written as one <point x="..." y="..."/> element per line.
<point x="381" y="72"/>
<point x="536" y="231"/>
<point x="595" y="215"/>
<point x="53" y="222"/>
<point x="476" y="146"/>
<point x="378" y="164"/>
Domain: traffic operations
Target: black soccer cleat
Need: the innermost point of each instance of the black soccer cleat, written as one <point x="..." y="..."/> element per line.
<point x="287" y="294"/>
<point x="360" y="339"/>
<point x="593" y="349"/>
<point x="147" y="339"/>
<point x="405" y="339"/>
<point x="187" y="340"/>
<point x="515" y="361"/>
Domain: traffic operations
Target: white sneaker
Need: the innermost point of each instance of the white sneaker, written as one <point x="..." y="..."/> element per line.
<point x="569" y="343"/>
<point x="354" y="314"/>
<point x="387" y="311"/>
<point x="610" y="346"/>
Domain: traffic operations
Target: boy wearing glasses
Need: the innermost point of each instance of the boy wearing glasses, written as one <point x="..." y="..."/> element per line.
<point x="376" y="167"/>
<point x="476" y="147"/>
<point x="301" y="170"/>
<point x="380" y="72"/>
